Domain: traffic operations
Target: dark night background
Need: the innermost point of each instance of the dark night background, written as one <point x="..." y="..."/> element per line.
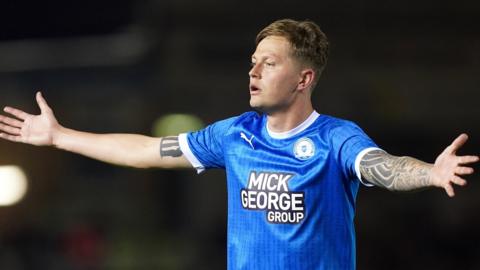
<point x="407" y="72"/>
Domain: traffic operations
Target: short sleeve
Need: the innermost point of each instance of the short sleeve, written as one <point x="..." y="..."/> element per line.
<point x="204" y="148"/>
<point x="350" y="144"/>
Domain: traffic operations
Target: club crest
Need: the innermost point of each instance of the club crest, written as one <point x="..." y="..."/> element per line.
<point x="304" y="148"/>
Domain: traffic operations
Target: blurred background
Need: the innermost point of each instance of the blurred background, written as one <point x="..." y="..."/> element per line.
<point x="407" y="72"/>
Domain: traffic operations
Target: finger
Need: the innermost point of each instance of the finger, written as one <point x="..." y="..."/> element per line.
<point x="9" y="129"/>
<point x="10" y="137"/>
<point x="16" y="112"/>
<point x="467" y="159"/>
<point x="10" y="121"/>
<point x="457" y="143"/>
<point x="459" y="181"/>
<point x="463" y="170"/>
<point x="449" y="189"/>
<point x="42" y="103"/>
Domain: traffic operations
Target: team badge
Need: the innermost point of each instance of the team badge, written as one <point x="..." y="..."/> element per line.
<point x="304" y="148"/>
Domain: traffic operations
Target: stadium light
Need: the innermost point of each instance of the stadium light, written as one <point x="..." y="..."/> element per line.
<point x="13" y="185"/>
<point x="173" y="124"/>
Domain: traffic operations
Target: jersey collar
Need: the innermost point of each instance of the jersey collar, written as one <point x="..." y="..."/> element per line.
<point x="296" y="130"/>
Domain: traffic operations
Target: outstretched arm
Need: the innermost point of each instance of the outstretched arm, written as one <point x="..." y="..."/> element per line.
<point x="120" y="149"/>
<point x="407" y="173"/>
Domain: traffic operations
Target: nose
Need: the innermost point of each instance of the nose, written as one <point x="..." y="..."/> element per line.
<point x="255" y="71"/>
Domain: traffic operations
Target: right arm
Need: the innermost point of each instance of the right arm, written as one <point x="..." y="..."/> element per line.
<point x="120" y="149"/>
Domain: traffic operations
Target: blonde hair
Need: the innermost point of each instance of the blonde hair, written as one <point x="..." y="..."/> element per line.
<point x="309" y="44"/>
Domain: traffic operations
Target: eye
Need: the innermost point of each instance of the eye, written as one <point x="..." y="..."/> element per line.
<point x="269" y="64"/>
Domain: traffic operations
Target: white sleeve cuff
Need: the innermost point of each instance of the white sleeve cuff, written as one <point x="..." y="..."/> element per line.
<point x="357" y="164"/>
<point x="182" y="140"/>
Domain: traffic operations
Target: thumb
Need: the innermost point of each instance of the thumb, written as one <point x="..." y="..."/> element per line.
<point x="458" y="143"/>
<point x="42" y="103"/>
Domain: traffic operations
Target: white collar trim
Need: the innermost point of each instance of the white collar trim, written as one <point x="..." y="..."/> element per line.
<point x="296" y="130"/>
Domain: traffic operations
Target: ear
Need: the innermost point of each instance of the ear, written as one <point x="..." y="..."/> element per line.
<point x="307" y="77"/>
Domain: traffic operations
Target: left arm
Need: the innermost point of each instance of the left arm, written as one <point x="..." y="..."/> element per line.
<point x="407" y="173"/>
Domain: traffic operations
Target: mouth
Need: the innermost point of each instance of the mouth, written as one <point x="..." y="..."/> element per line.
<point x="254" y="90"/>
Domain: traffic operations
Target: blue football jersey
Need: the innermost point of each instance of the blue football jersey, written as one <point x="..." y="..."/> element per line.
<point x="291" y="195"/>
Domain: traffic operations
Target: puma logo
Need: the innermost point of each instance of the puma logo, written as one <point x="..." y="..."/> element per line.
<point x="243" y="136"/>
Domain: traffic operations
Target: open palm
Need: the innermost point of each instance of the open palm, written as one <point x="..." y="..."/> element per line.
<point x="449" y="167"/>
<point x="29" y="128"/>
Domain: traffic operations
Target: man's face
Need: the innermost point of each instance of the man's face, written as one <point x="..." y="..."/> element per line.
<point x="274" y="75"/>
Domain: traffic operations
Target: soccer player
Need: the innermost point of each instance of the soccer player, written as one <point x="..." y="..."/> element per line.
<point x="292" y="173"/>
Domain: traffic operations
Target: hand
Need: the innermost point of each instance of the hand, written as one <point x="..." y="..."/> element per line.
<point x="27" y="128"/>
<point x="448" y="167"/>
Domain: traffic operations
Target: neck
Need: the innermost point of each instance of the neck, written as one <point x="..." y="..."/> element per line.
<point x="286" y="120"/>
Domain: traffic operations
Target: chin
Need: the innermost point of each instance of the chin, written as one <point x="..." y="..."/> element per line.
<point x="255" y="106"/>
<point x="259" y="108"/>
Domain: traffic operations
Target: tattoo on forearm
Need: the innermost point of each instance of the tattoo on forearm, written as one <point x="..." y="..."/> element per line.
<point x="394" y="173"/>
<point x="169" y="147"/>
